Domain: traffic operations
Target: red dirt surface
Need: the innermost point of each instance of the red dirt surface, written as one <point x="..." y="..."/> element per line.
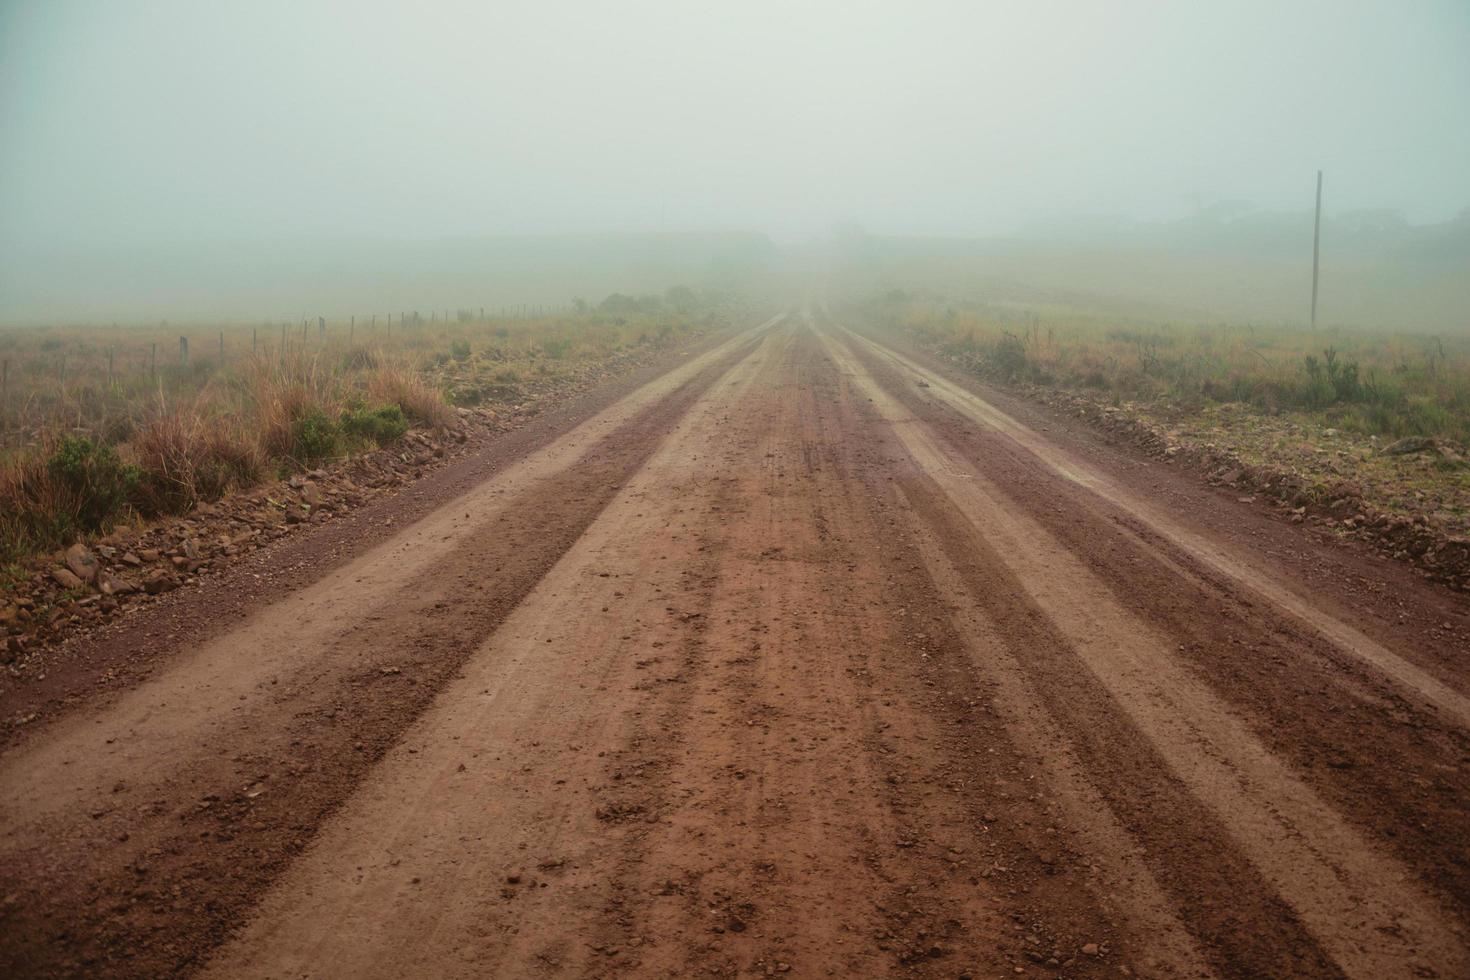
<point x="803" y="656"/>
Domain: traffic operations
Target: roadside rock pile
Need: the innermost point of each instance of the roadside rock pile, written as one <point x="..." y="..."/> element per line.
<point x="88" y="583"/>
<point x="1337" y="505"/>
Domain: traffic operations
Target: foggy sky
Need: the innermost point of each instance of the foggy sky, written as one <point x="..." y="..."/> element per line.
<point x="128" y="123"/>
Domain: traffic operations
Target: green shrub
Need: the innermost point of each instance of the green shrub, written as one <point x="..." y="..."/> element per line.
<point x="460" y="350"/>
<point x="379" y="425"/>
<point x="1330" y="380"/>
<point x="315" y="436"/>
<point x="96" y="477"/>
<point x="1007" y="357"/>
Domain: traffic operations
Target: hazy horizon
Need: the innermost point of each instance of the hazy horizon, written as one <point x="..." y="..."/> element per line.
<point x="132" y="131"/>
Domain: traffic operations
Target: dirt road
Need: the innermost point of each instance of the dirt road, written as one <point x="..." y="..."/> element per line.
<point x="803" y="657"/>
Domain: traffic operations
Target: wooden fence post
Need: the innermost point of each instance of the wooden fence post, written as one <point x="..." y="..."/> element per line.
<point x="184" y="350"/>
<point x="153" y="362"/>
<point x="222" y="347"/>
<point x="254" y="339"/>
<point x="109" y="366"/>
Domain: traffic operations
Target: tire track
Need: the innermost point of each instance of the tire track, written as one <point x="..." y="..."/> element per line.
<point x="1333" y="721"/>
<point x="831" y="812"/>
<point x="505" y="869"/>
<point x="1419" y="681"/>
<point x="1163" y="944"/>
<point x="1355" y="902"/>
<point x="145" y="830"/>
<point x="777" y="668"/>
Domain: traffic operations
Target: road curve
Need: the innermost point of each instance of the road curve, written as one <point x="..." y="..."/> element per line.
<point x="805" y="657"/>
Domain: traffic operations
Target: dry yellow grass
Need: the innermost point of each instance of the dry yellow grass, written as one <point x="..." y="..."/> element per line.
<point x="99" y="422"/>
<point x="1374" y="383"/>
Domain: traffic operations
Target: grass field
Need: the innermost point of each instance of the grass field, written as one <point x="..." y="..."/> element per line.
<point x="1329" y="407"/>
<point x="99" y="424"/>
<point x="1376" y="384"/>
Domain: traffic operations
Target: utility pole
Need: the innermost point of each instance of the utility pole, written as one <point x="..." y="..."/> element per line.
<point x="1316" y="248"/>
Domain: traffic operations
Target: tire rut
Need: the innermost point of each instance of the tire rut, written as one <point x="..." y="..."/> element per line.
<point x="146" y="877"/>
<point x="831" y="810"/>
<point x="1432" y="683"/>
<point x="1030" y="584"/>
<point x="777" y="666"/>
<point x="502" y="872"/>
<point x="1329" y="716"/>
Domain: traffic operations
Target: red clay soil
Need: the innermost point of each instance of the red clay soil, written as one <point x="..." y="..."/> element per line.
<point x="802" y="656"/>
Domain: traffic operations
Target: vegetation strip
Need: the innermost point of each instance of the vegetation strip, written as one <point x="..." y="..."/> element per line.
<point x="189" y="486"/>
<point x="1362" y="435"/>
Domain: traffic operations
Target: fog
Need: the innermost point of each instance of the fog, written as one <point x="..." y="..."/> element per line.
<point x="256" y="159"/>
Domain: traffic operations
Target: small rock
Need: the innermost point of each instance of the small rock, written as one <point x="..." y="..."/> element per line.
<point x="1409" y="445"/>
<point x="65" y="579"/>
<point x="158" y="581"/>
<point x="81" y="562"/>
